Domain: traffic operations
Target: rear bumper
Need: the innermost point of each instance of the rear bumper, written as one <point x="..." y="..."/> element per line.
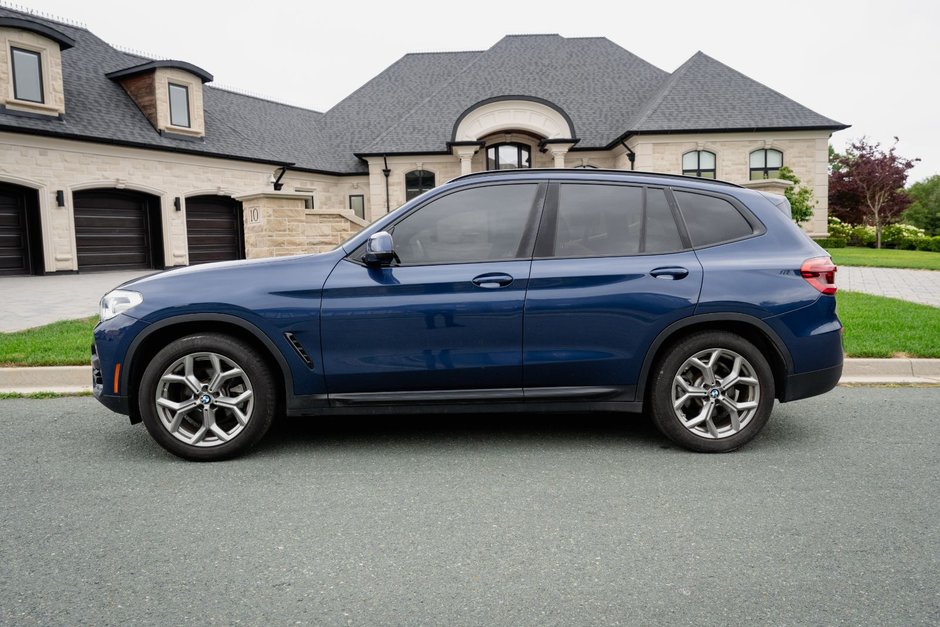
<point x="807" y="384"/>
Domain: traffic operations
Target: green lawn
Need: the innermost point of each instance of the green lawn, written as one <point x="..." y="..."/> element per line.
<point x="885" y="258"/>
<point x="65" y="343"/>
<point x="876" y="326"/>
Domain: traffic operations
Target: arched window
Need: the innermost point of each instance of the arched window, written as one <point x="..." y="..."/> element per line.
<point x="417" y="182"/>
<point x="766" y="164"/>
<point x="508" y="156"/>
<point x="700" y="163"/>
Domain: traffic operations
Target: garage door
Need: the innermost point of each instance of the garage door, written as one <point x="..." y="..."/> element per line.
<point x="117" y="230"/>
<point x="14" y="232"/>
<point x="214" y="229"/>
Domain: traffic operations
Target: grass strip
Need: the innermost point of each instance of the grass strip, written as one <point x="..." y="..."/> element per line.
<point x="65" y="343"/>
<point x="876" y="326"/>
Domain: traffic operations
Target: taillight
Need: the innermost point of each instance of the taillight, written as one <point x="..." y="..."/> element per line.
<point x="820" y="272"/>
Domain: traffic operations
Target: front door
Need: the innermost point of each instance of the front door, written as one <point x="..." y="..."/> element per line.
<point x="445" y="321"/>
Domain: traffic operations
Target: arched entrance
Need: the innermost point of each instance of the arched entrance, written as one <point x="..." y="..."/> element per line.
<point x="117" y="229"/>
<point x="20" y="235"/>
<point x="214" y="229"/>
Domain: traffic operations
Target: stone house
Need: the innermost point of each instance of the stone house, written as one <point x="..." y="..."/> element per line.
<point x="110" y="160"/>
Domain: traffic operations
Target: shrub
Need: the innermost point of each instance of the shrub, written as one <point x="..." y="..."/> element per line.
<point x="838" y="228"/>
<point x="901" y="236"/>
<point x="862" y="236"/>
<point x="929" y="243"/>
<point x="831" y="242"/>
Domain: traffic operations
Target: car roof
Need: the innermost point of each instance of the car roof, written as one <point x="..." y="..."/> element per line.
<point x="656" y="178"/>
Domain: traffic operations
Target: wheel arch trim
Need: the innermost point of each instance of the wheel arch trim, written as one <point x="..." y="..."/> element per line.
<point x="669" y="332"/>
<point x="257" y="333"/>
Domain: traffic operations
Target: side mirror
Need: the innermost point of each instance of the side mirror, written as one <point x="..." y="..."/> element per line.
<point x="380" y="250"/>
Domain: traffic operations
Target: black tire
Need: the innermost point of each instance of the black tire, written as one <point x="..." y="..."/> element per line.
<point x="246" y="377"/>
<point x="716" y="433"/>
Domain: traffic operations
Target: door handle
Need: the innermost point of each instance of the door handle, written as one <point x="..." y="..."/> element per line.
<point x="492" y="280"/>
<point x="673" y="273"/>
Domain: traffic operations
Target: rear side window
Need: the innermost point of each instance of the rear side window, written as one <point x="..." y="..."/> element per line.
<point x="711" y="220"/>
<point x="613" y="220"/>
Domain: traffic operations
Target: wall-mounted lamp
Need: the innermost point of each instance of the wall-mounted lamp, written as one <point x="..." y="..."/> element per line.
<point x="176" y="204"/>
<point x="276" y="182"/>
<point x="60" y="198"/>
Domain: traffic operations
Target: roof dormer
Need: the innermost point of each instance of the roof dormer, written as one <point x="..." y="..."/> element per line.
<point x="31" y="67"/>
<point x="169" y="93"/>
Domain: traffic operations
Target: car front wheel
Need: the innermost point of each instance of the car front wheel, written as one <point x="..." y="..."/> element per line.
<point x="207" y="397"/>
<point x="712" y="392"/>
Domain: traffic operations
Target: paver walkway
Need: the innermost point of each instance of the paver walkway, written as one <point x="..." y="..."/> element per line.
<point x="32" y="301"/>
<point x="919" y="286"/>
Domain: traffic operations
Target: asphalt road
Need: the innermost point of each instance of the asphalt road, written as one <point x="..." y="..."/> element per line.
<point x="829" y="517"/>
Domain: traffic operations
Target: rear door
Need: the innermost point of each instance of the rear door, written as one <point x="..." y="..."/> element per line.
<point x="611" y="270"/>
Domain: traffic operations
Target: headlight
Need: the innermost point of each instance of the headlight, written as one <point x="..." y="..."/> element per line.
<point x="118" y="301"/>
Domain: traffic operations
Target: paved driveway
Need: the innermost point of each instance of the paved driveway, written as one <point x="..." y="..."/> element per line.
<point x="919" y="286"/>
<point x="830" y="517"/>
<point x="32" y="301"/>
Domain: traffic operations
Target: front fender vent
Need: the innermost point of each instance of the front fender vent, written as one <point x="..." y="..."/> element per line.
<point x="299" y="348"/>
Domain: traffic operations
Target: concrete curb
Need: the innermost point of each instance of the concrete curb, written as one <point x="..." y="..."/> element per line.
<point x="77" y="379"/>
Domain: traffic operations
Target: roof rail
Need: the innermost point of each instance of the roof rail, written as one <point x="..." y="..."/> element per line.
<point x="637" y="173"/>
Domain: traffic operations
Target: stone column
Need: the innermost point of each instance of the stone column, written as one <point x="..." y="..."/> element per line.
<point x="465" y="153"/>
<point x="558" y="149"/>
<point x="275" y="224"/>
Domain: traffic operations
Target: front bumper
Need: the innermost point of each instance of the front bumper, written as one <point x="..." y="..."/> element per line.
<point x="112" y="340"/>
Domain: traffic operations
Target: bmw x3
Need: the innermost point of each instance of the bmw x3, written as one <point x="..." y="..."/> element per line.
<point x="699" y="303"/>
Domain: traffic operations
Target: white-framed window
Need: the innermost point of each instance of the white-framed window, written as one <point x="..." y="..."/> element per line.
<point x="179" y="105"/>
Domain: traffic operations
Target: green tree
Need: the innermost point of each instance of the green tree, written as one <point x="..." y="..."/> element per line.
<point x="800" y="197"/>
<point x="834" y="160"/>
<point x="925" y="212"/>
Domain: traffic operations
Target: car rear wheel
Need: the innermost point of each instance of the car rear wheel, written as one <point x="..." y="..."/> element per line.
<point x="207" y="397"/>
<point x="712" y="392"/>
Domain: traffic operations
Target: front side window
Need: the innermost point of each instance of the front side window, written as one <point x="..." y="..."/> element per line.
<point x="179" y="105"/>
<point x="357" y="202"/>
<point x="613" y="220"/>
<point x="417" y="182"/>
<point x="700" y="163"/>
<point x="479" y="224"/>
<point x="508" y="157"/>
<point x="27" y="75"/>
<point x="766" y="164"/>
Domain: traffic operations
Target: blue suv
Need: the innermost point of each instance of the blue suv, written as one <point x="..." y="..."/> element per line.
<point x="698" y="302"/>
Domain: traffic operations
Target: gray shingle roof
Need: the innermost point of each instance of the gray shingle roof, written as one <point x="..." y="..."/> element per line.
<point x="411" y="106"/>
<point x="704" y="94"/>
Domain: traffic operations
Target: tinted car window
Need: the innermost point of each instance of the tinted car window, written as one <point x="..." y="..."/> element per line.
<point x="479" y="224"/>
<point x="596" y="220"/>
<point x="711" y="220"/>
<point x="602" y="220"/>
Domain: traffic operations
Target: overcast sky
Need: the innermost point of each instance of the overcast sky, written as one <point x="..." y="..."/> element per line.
<point x="871" y="64"/>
